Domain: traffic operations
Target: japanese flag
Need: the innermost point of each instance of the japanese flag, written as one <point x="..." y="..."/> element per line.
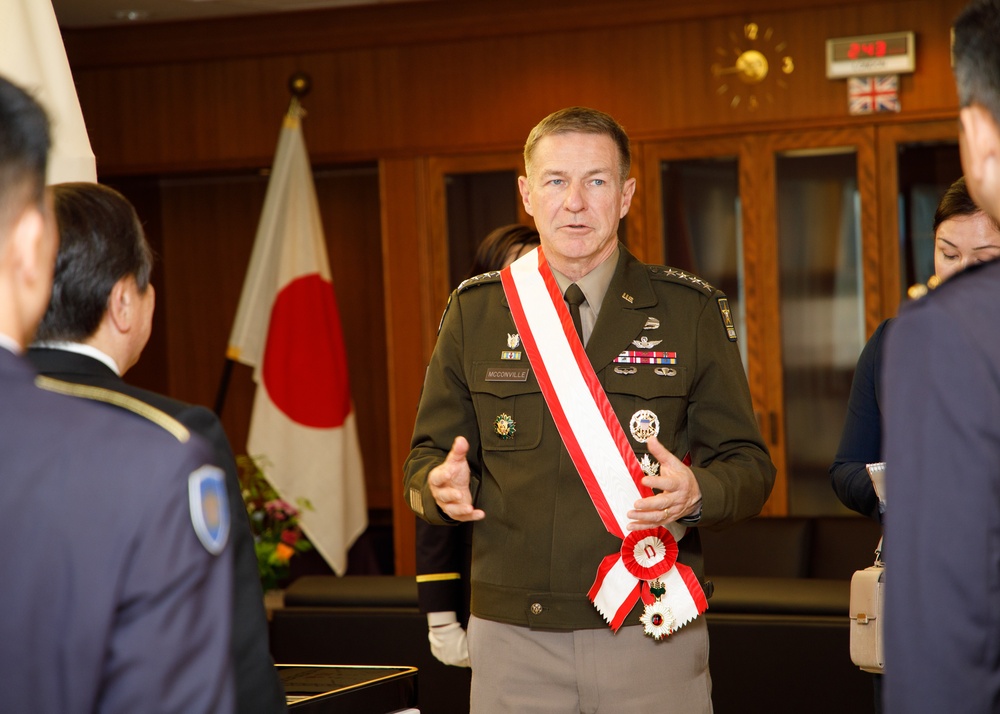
<point x="288" y="328"/>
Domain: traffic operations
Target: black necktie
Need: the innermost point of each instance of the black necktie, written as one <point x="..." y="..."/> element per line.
<point x="574" y="296"/>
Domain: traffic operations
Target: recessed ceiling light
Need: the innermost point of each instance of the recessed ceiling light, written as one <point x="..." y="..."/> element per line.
<point x="131" y="15"/>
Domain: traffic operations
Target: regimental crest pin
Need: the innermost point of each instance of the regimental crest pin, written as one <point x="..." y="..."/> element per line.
<point x="643" y="425"/>
<point x="649" y="466"/>
<point x="513" y="340"/>
<point x="644" y="343"/>
<point x="504" y="426"/>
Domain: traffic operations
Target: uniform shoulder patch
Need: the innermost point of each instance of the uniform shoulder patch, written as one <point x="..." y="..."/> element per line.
<point x="123" y="401"/>
<point x="209" y="507"/>
<point x="727" y="318"/>
<point x="681" y="277"/>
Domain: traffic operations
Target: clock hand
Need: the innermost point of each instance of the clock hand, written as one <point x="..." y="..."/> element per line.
<point x="719" y="70"/>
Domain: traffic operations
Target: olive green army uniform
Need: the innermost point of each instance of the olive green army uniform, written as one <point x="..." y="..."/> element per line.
<point x="536" y="553"/>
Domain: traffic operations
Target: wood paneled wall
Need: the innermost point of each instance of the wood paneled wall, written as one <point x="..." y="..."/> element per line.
<point x="169" y="106"/>
<point x="156" y="99"/>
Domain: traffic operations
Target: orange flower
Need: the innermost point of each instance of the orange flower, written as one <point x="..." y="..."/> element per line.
<point x="284" y="552"/>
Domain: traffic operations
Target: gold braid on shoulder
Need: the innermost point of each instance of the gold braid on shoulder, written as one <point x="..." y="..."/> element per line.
<point x="124" y="401"/>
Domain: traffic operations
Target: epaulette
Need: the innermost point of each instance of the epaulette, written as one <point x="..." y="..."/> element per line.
<point x="124" y="401"/>
<point x="481" y="279"/>
<point x="681" y="277"/>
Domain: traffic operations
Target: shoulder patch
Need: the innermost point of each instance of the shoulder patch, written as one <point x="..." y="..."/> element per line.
<point x="680" y="277"/>
<point x="123" y="401"/>
<point x="727" y="318"/>
<point x="209" y="507"/>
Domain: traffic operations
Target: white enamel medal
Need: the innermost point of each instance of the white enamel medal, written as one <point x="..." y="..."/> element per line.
<point x="657" y="618"/>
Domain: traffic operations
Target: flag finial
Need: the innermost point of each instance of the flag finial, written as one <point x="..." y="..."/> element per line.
<point x="299" y="84"/>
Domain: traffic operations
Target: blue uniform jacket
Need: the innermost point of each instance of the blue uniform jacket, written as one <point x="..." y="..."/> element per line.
<point x="258" y="688"/>
<point x="110" y="602"/>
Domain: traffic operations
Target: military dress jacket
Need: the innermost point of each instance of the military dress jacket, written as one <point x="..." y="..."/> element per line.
<point x="258" y="687"/>
<point x="536" y="553"/>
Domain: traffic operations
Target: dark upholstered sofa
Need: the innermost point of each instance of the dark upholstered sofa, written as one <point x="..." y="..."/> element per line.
<point x="777" y="618"/>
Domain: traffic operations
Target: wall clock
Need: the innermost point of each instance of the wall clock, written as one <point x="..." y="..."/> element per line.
<point x="752" y="67"/>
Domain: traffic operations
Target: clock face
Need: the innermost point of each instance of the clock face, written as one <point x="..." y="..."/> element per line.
<point x="754" y="65"/>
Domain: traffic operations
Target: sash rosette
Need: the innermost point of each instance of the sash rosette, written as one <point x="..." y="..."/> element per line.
<point x="599" y="449"/>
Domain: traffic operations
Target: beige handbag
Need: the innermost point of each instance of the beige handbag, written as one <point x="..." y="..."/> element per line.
<point x="867" y="597"/>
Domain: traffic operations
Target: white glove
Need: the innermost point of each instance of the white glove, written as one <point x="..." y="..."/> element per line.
<point x="448" y="641"/>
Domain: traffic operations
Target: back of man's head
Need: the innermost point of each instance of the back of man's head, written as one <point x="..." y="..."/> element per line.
<point x="101" y="242"/>
<point x="24" y="150"/>
<point x="977" y="55"/>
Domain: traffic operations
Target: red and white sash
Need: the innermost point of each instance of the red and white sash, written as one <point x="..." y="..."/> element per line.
<point x="599" y="449"/>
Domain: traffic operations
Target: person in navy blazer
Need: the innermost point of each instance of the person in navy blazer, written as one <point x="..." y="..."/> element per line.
<point x="942" y="441"/>
<point x="117" y="579"/>
<point x="95" y="328"/>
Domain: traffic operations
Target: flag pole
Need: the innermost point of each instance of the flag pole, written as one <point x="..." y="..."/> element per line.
<point x="299" y="85"/>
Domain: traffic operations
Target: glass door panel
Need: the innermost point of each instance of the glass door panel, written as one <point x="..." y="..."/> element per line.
<point x="476" y="204"/>
<point x="925" y="171"/>
<point x="465" y="197"/>
<point x="702" y="227"/>
<point x="821" y="311"/>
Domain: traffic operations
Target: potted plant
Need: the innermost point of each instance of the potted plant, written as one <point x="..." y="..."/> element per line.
<point x="274" y="523"/>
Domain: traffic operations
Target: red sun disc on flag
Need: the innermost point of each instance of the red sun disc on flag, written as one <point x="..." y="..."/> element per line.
<point x="305" y="364"/>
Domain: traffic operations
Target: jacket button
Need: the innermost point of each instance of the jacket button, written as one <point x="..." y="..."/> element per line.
<point x="536" y="608"/>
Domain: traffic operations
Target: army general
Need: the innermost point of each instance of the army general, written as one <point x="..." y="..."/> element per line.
<point x="589" y="413"/>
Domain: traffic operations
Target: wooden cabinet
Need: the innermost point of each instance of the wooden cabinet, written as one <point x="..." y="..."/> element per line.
<point x="811" y="234"/>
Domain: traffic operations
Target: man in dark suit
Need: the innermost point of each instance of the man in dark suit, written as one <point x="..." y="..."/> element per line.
<point x="942" y="441"/>
<point x="117" y="581"/>
<point x="95" y="329"/>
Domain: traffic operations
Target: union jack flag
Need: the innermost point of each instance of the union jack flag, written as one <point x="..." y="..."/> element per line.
<point x="868" y="95"/>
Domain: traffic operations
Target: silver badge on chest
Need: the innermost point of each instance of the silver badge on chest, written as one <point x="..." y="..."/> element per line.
<point x="643" y="425"/>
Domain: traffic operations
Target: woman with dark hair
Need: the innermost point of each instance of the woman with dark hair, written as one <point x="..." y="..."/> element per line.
<point x="502" y="247"/>
<point x="963" y="236"/>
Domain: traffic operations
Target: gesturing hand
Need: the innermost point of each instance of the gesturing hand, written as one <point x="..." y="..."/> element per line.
<point x="679" y="497"/>
<point x="449" y="484"/>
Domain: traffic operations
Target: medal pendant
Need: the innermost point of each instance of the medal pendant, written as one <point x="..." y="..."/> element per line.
<point x="657" y="618"/>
